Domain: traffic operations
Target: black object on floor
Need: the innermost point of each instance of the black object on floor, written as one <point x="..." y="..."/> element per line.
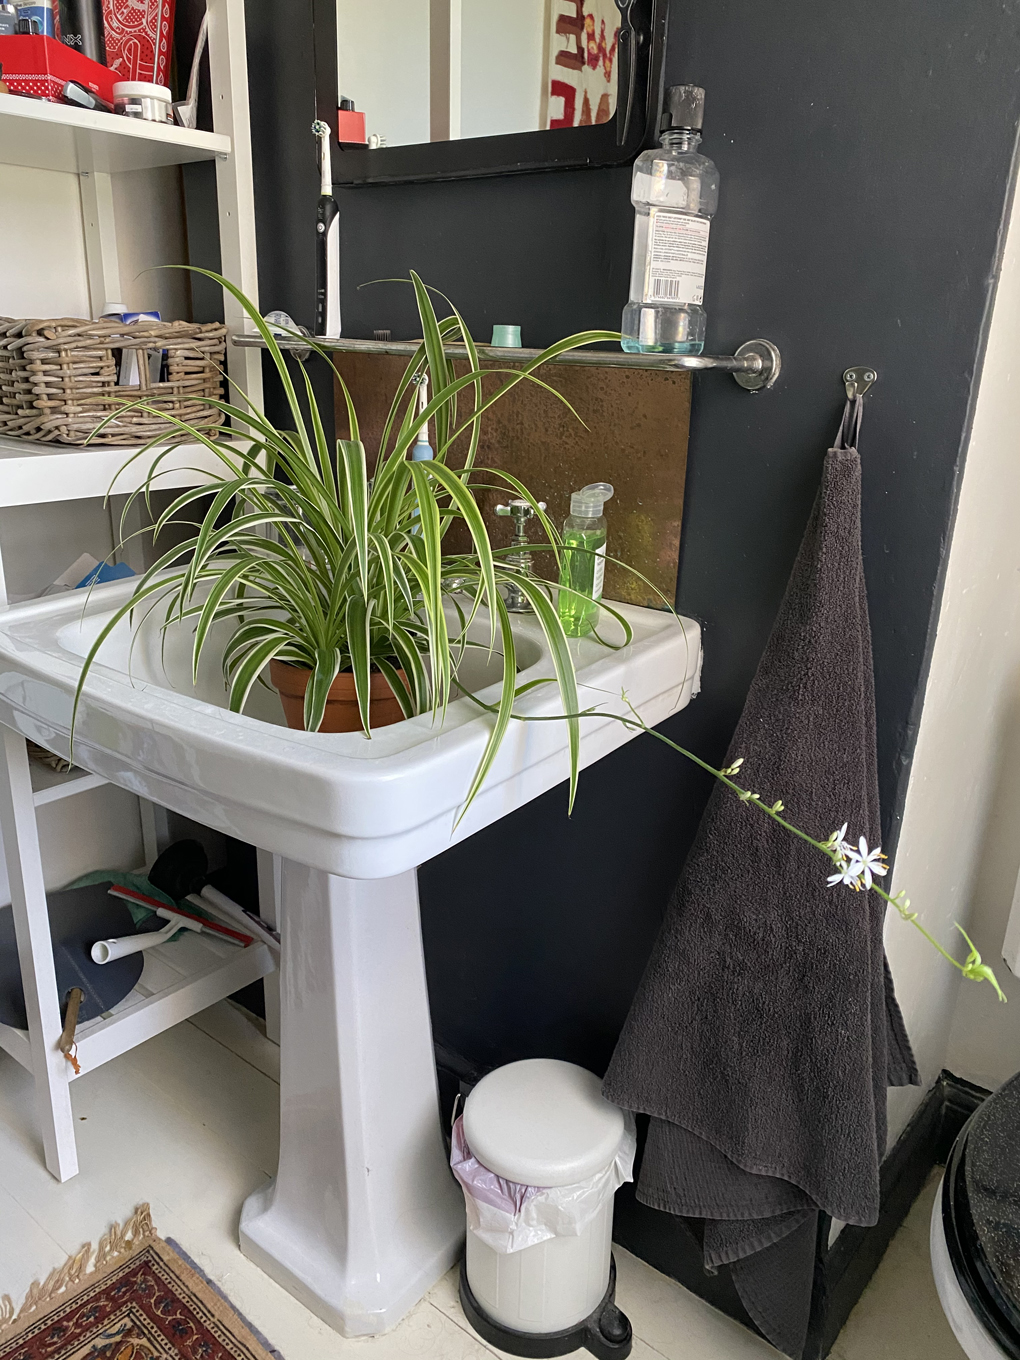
<point x="606" y="1334"/>
<point x="981" y="1215"/>
<point x="78" y="918"/>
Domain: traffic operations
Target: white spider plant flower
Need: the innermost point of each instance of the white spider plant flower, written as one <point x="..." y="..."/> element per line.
<point x="837" y="844"/>
<point x="848" y="872"/>
<point x="869" y="862"/>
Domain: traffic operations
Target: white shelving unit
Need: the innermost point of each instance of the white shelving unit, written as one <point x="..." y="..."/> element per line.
<point x="57" y="137"/>
<point x="177" y="980"/>
<point x="185" y="977"/>
<point x="34" y="474"/>
<point x="48" y="786"/>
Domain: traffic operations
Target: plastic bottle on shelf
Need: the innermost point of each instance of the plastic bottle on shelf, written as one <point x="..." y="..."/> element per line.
<point x="583" y="559"/>
<point x="675" y="192"/>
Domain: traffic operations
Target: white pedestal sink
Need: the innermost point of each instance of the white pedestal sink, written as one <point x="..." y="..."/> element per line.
<point x="363" y="1216"/>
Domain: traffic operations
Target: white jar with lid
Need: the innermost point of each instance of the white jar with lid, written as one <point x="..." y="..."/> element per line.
<point x="141" y="99"/>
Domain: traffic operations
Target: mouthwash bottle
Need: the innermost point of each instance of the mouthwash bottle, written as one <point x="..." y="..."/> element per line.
<point x="583" y="559"/>
<point x="675" y="192"/>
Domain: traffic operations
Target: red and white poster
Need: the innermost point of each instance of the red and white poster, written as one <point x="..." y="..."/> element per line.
<point x="583" y="37"/>
<point x="139" y="37"/>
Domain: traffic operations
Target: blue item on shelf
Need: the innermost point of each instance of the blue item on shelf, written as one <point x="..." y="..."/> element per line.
<point x="106" y="571"/>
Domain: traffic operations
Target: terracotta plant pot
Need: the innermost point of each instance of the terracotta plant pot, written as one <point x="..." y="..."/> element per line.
<point x="342" y="702"/>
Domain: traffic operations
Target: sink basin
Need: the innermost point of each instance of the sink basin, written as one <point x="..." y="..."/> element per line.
<point x="337" y="802"/>
<point x="363" y="1216"/>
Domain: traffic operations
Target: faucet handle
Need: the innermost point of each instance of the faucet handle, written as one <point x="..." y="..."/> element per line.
<point x="521" y="511"/>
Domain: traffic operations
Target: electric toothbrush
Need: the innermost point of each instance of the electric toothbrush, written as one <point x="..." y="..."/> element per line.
<point x="327" y="256"/>
<point x="422" y="449"/>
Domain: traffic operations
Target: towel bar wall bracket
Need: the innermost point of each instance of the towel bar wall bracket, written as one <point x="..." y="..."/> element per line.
<point x="755" y="365"/>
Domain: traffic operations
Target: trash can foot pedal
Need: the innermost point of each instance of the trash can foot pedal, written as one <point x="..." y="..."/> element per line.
<point x="606" y="1333"/>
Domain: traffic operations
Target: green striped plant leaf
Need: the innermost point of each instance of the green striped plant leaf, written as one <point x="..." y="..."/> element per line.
<point x="301" y="556"/>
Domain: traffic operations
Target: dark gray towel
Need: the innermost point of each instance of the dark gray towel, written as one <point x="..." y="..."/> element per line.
<point x="765" y="1030"/>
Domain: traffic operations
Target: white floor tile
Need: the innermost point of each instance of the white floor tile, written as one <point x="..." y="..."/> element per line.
<point x="136" y="1141"/>
<point x="237" y="1105"/>
<point x="675" y="1322"/>
<point x="242" y="1033"/>
<point x="189" y="1122"/>
<point x="27" y="1251"/>
<point x="296" y="1332"/>
<point x="898" y="1317"/>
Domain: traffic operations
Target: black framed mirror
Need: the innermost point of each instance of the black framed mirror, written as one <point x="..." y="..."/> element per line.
<point x="462" y="89"/>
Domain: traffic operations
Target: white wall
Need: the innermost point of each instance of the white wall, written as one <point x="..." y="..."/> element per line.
<point x="960" y="845"/>
<point x="383" y="58"/>
<point x="984" y="1042"/>
<point x="150" y="230"/>
<point x="501" y="66"/>
<point x="44" y="274"/>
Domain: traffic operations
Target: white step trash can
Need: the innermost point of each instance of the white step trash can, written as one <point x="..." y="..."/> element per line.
<point x="539" y="1154"/>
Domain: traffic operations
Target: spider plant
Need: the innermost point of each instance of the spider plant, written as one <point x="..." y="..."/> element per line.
<point x="313" y="562"/>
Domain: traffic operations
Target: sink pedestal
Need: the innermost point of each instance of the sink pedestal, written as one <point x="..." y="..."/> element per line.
<point x="364" y="1215"/>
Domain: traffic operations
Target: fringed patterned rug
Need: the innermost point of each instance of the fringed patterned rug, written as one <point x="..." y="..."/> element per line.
<point x="136" y="1298"/>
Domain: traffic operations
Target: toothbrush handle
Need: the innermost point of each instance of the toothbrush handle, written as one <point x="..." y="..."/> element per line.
<point x="327" y="268"/>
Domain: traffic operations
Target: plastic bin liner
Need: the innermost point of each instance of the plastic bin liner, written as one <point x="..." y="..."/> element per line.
<point x="509" y="1217"/>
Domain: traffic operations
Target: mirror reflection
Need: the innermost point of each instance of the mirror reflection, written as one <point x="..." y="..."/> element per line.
<point x="441" y="70"/>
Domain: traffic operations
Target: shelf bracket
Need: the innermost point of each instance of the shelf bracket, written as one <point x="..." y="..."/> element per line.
<point x="100" y="223"/>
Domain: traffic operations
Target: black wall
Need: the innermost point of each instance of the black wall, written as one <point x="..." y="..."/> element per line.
<point x="866" y="154"/>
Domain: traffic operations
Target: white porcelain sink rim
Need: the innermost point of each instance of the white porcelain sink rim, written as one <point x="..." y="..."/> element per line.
<point x="595" y="665"/>
<point x="336" y="801"/>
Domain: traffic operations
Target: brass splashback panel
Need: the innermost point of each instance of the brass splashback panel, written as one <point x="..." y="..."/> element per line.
<point x="636" y="438"/>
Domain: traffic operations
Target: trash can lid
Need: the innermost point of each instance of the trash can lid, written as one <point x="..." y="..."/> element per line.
<point x="542" y="1122"/>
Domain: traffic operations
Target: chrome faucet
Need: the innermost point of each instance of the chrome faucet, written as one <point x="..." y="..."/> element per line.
<point x="520" y="511"/>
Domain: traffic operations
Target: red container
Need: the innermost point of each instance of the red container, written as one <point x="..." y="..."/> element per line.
<point x="42" y="66"/>
<point x="139" y="38"/>
<point x="350" y="126"/>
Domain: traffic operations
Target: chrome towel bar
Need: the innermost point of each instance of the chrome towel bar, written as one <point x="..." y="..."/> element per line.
<point x="755" y="365"/>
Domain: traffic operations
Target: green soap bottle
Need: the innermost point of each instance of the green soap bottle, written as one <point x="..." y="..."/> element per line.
<point x="583" y="559"/>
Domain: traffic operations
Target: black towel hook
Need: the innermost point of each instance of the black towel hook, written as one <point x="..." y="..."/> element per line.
<point x="858" y="379"/>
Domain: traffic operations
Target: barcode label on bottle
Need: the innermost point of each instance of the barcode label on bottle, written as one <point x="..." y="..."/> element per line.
<point x="600" y="572"/>
<point x="677" y="254"/>
<point x="670" y="289"/>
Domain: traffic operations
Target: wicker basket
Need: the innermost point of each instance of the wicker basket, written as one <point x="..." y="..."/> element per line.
<point x="58" y="379"/>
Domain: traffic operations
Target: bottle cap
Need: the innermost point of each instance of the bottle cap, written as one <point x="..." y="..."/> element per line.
<point x="506" y="337"/>
<point x="588" y="502"/>
<point x="347" y="105"/>
<point x="685" y="107"/>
